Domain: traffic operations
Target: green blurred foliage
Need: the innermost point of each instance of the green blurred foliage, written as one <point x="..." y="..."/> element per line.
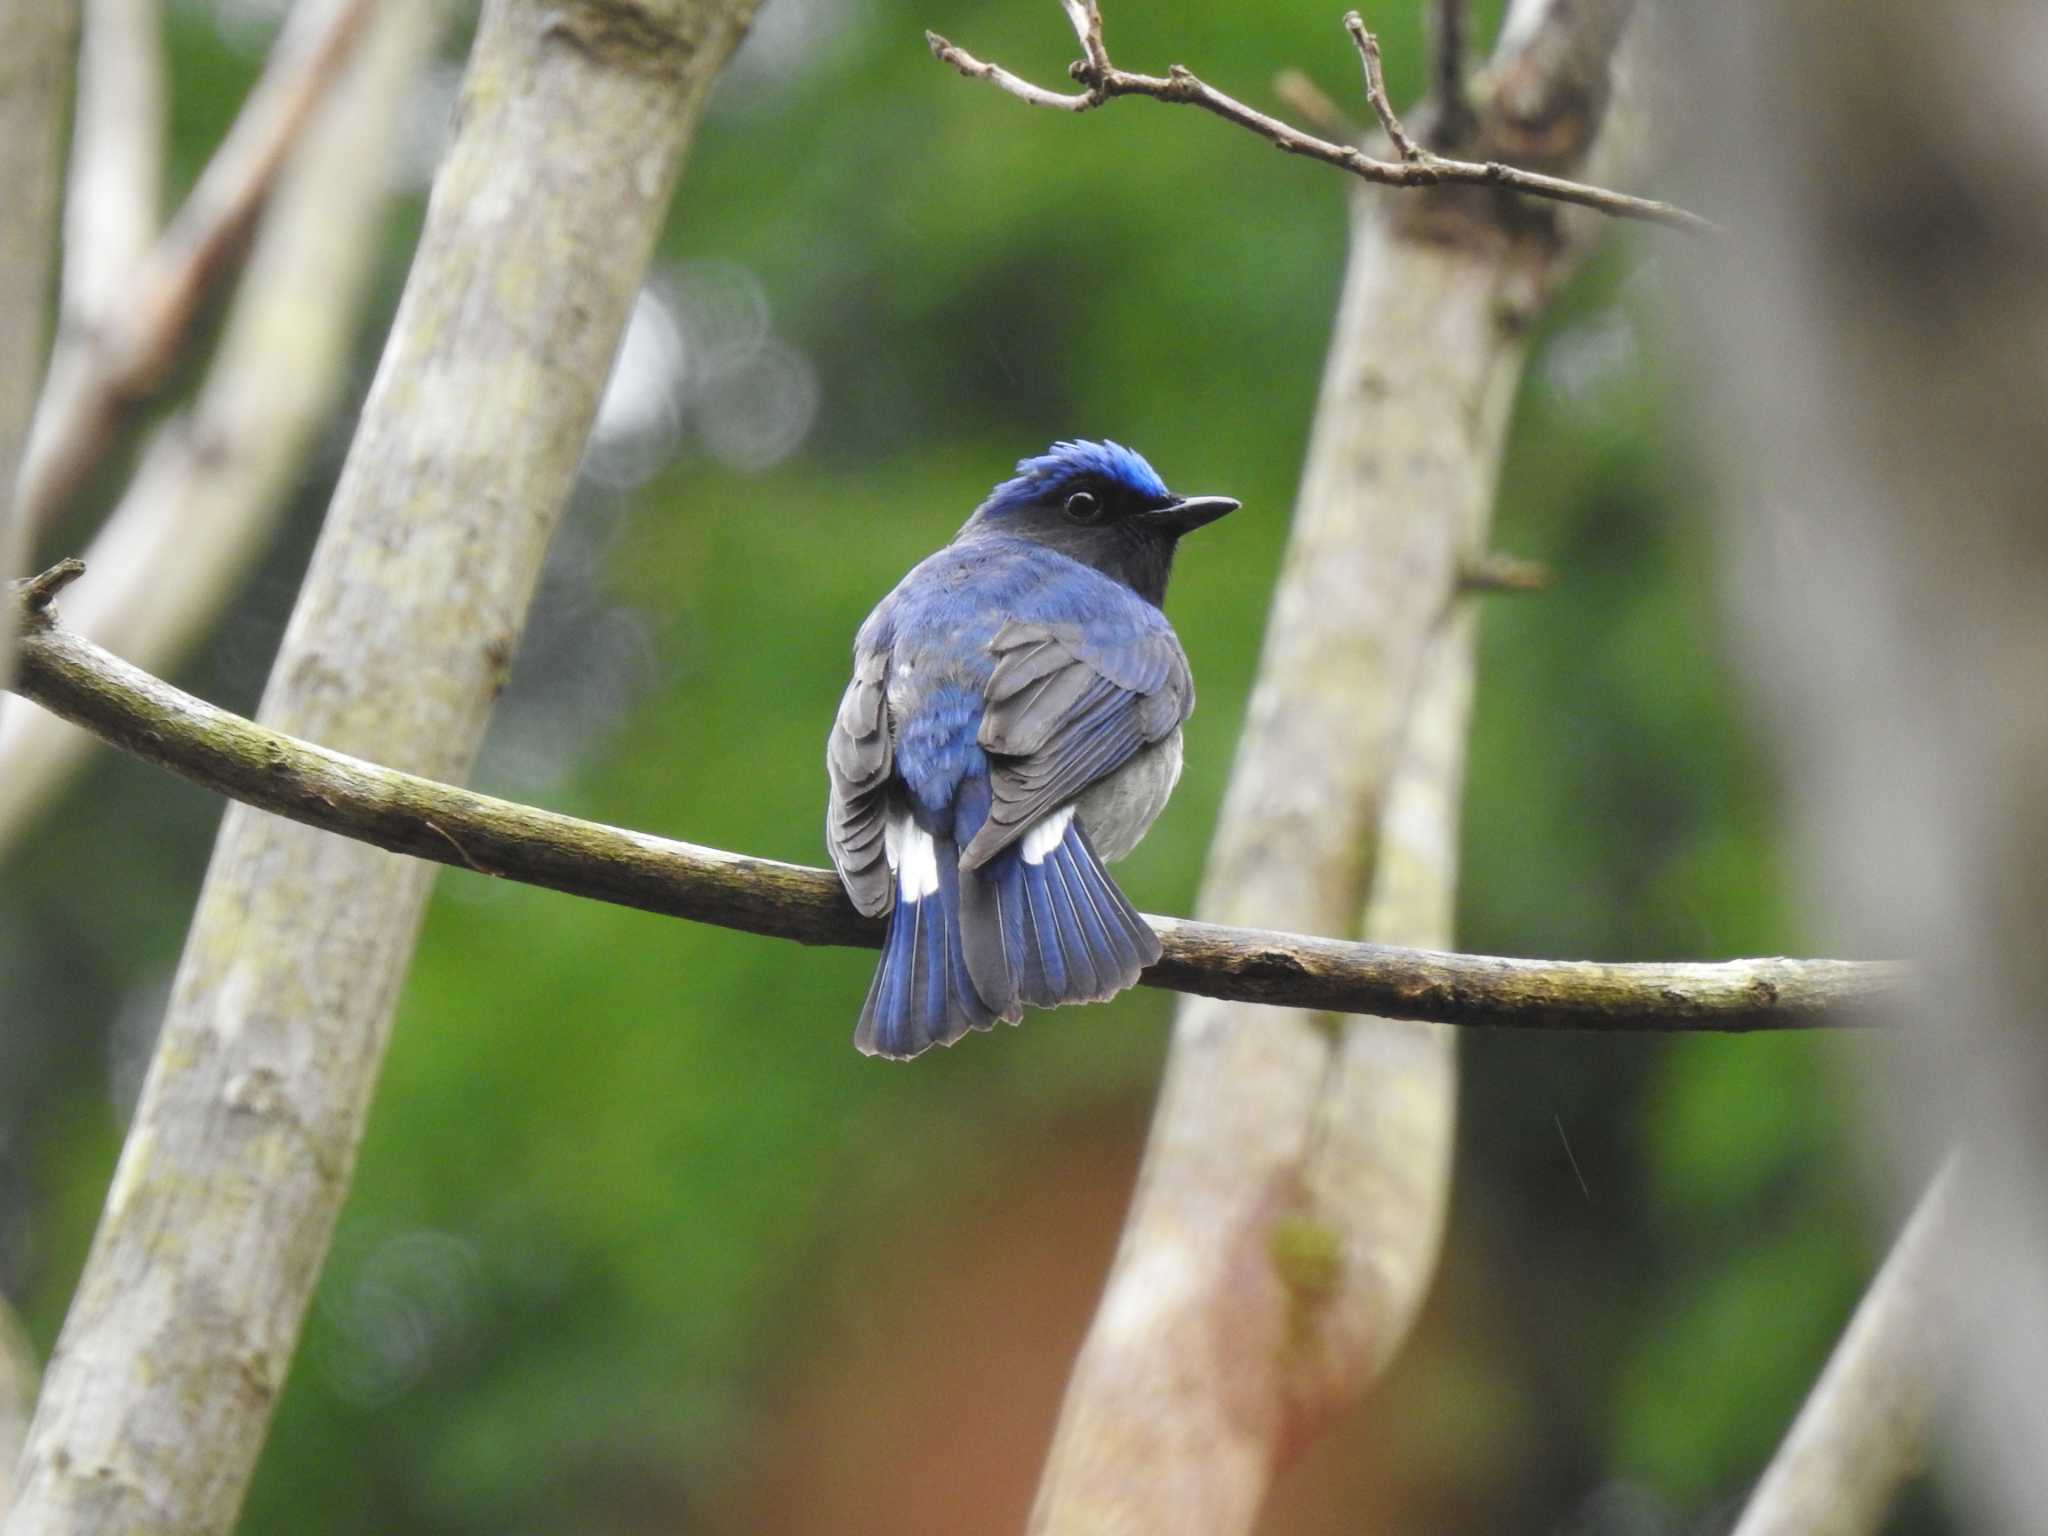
<point x="628" y="1194"/>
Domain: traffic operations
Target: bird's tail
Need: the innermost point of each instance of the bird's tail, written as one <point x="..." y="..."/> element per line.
<point x="1042" y="923"/>
<point x="922" y="994"/>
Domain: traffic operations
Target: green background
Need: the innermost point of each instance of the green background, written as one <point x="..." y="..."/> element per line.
<point x="638" y="1242"/>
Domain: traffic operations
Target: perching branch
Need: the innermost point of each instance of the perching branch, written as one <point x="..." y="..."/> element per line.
<point x="1421" y="168"/>
<point x="95" y="377"/>
<point x="232" y="756"/>
<point x="1863" y="1431"/>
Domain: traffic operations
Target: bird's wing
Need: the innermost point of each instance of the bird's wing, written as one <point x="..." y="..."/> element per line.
<point x="1066" y="705"/>
<point x="858" y="755"/>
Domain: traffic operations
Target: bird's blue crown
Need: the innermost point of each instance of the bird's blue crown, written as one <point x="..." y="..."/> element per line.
<point x="1065" y="462"/>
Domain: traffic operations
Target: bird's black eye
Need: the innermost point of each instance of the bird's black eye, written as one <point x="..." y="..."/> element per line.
<point x="1082" y="507"/>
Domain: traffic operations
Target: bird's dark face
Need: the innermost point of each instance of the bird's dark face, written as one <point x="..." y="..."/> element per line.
<point x="1100" y="504"/>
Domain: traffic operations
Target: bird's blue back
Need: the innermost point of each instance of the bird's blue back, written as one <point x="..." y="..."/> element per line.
<point x="939" y="624"/>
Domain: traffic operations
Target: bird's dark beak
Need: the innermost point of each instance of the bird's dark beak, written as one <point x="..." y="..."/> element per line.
<point x="1188" y="513"/>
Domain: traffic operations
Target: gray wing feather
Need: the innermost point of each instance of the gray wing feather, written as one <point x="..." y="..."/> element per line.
<point x="858" y="756"/>
<point x="1063" y="709"/>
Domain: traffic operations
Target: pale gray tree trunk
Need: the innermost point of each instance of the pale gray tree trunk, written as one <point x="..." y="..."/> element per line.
<point x="1880" y="324"/>
<point x="1289" y="1209"/>
<point x="573" y="122"/>
<point x="37" y="38"/>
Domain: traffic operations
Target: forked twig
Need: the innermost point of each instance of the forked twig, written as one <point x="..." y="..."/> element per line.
<point x="1102" y="81"/>
<point x="1376" y="88"/>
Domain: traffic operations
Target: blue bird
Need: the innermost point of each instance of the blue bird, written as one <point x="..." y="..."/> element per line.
<point x="1012" y="724"/>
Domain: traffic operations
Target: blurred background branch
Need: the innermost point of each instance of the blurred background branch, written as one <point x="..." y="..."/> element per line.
<point x="1403" y="972"/>
<point x="110" y="358"/>
<point x="1864" y="1430"/>
<point x="114" y="193"/>
<point x="35" y="89"/>
<point x="1877" y="409"/>
<point x="212" y="482"/>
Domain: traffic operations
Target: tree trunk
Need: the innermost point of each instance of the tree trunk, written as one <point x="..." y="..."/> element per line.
<point x="1288" y="1213"/>
<point x="573" y="122"/>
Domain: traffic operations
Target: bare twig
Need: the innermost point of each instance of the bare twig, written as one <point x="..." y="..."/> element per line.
<point x="1376" y="88"/>
<point x="996" y="75"/>
<point x="1863" y="1432"/>
<point x="1086" y="16"/>
<point x="1103" y="82"/>
<point x="93" y="382"/>
<point x="147" y="717"/>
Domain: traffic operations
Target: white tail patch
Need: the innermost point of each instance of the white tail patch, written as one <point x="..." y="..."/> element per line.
<point x="913" y="855"/>
<point x="1043" y="837"/>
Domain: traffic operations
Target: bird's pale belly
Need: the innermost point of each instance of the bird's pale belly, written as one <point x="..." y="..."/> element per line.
<point x="1118" y="810"/>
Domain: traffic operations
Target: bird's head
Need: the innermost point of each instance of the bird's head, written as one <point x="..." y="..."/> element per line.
<point x="1100" y="504"/>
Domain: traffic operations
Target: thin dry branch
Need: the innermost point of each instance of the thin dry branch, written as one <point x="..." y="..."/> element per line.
<point x="1376" y="88"/>
<point x="1103" y="82"/>
<point x="97" y="376"/>
<point x="232" y="756"/>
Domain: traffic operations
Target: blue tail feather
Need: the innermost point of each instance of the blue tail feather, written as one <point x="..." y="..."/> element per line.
<point x="1043" y="969"/>
<point x="1067" y="935"/>
<point x="989" y="941"/>
<point x="922" y="994"/>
